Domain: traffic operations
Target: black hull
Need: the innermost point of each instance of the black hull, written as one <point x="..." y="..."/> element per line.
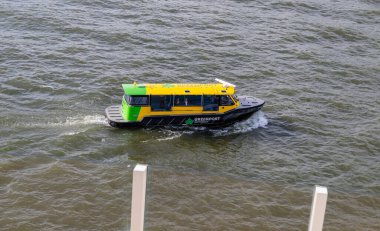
<point x="214" y="120"/>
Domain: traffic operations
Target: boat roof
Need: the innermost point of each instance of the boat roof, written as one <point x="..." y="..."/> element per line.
<point x="178" y="89"/>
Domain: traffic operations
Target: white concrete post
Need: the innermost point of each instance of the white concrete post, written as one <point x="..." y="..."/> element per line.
<point x="318" y="208"/>
<point x="138" y="197"/>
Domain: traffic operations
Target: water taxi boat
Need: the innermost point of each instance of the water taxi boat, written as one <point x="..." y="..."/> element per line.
<point x="211" y="105"/>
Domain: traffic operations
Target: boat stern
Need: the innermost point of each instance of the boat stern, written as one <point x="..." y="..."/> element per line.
<point x="113" y="115"/>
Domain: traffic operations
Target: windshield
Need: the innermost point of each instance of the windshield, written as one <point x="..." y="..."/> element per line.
<point x="137" y="100"/>
<point x="235" y="98"/>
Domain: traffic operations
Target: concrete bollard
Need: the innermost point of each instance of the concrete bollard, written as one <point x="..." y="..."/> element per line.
<point x="138" y="197"/>
<point x="318" y="208"/>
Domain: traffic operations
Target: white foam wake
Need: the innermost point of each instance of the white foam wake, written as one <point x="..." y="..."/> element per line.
<point x="68" y="122"/>
<point x="80" y="120"/>
<point x="173" y="135"/>
<point x="256" y="121"/>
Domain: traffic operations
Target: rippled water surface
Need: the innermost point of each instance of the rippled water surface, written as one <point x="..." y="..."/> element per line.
<point x="316" y="63"/>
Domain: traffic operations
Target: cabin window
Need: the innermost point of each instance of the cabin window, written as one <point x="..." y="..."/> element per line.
<point x="161" y="102"/>
<point x="210" y="102"/>
<point x="140" y="100"/>
<point x="225" y="100"/>
<point x="188" y="100"/>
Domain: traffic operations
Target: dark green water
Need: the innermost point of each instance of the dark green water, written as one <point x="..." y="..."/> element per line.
<point x="316" y="63"/>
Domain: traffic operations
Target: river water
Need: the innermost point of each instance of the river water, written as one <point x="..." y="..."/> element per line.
<point x="315" y="63"/>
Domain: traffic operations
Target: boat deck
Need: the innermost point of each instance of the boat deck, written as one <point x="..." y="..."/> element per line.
<point x="113" y="113"/>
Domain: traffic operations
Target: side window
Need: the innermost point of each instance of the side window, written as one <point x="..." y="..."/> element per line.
<point x="210" y="102"/>
<point x="225" y="100"/>
<point x="137" y="100"/>
<point x="161" y="102"/>
<point x="187" y="100"/>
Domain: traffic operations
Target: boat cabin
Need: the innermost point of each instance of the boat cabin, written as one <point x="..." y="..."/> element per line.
<point x="141" y="100"/>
